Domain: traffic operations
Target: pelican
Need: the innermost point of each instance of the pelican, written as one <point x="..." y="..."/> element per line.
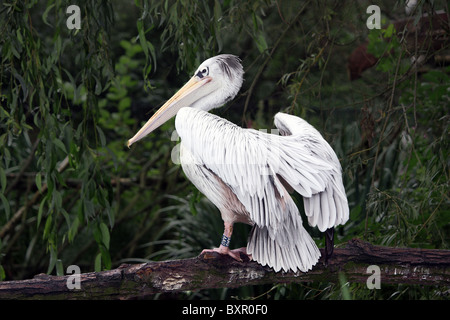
<point x="249" y="174"/>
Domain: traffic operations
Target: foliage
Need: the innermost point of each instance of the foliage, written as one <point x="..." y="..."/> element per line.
<point x="72" y="193"/>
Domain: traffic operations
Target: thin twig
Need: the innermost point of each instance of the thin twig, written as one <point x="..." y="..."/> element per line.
<point x="299" y="86"/>
<point x="388" y="114"/>
<point x="263" y="65"/>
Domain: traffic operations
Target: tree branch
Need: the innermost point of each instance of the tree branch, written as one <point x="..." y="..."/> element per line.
<point x="16" y="217"/>
<point x="397" y="265"/>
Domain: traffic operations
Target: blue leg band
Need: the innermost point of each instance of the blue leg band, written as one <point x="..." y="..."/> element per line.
<point x="225" y="241"/>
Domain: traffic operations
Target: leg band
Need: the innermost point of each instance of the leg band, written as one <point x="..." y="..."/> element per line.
<point x="225" y="241"/>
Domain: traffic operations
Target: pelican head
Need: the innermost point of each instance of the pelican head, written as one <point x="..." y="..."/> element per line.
<point x="216" y="81"/>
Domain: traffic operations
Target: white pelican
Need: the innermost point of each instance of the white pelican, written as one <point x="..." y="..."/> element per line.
<point x="247" y="173"/>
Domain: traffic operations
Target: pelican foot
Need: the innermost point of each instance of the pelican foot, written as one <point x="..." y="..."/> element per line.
<point x="235" y="253"/>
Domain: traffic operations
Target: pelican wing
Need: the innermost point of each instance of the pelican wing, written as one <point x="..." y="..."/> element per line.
<point x="254" y="165"/>
<point x="328" y="207"/>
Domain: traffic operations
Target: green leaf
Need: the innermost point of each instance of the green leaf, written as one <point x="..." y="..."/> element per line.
<point x="6" y="206"/>
<point x="19" y="36"/>
<point x="106" y="258"/>
<point x="97" y="234"/>
<point x="60" y="145"/>
<point x="125" y="103"/>
<point x="255" y="22"/>
<point x="3" y="181"/>
<point x="48" y="226"/>
<point x="89" y="209"/>
<point x="105" y="234"/>
<point x="142" y="40"/>
<point x="101" y="136"/>
<point x="98" y="262"/>
<point x="98" y="86"/>
<point x="344" y="286"/>
<point x="2" y="273"/>
<point x="389" y="31"/>
<point x="152" y="53"/>
<point x="73" y="230"/>
<point x="41" y="210"/>
<point x="217" y="11"/>
<point x="56" y="199"/>
<point x="45" y="14"/>
<point x="261" y="43"/>
<point x="38" y="181"/>
<point x="59" y="268"/>
<point x="21" y="80"/>
<point x="53" y="258"/>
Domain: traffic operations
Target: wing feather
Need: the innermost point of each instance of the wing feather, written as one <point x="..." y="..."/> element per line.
<point x="327" y="207"/>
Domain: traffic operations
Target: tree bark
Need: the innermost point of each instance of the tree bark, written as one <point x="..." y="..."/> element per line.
<point x="396" y="265"/>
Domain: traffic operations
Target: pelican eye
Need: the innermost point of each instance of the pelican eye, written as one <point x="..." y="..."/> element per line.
<point x="203" y="72"/>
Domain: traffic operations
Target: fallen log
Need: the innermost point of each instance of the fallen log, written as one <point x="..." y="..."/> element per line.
<point x="358" y="261"/>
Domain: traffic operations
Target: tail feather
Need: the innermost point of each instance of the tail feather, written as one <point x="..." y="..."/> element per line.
<point x="301" y="253"/>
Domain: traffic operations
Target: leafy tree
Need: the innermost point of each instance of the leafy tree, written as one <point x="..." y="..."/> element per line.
<point x="72" y="193"/>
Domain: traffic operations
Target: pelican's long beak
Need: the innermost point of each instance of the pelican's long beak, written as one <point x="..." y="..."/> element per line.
<point x="188" y="94"/>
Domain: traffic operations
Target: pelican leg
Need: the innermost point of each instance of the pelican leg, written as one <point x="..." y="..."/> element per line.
<point x="329" y="243"/>
<point x="224" y="249"/>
